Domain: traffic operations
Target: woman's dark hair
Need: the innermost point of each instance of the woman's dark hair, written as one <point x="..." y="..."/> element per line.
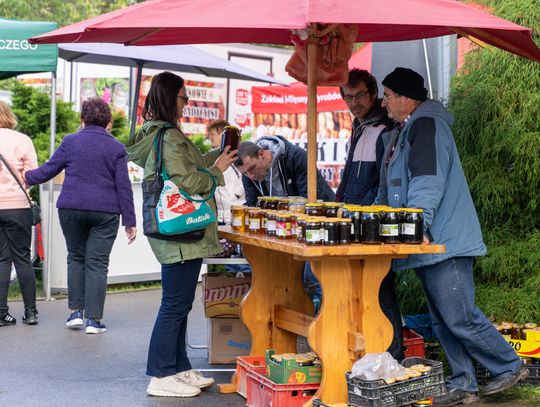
<point x="95" y="111"/>
<point x="161" y="101"/>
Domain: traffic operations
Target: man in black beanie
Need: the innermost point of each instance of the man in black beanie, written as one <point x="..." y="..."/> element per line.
<point x="422" y="169"/>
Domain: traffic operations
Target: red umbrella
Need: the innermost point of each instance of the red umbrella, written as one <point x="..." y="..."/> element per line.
<point x="160" y="22"/>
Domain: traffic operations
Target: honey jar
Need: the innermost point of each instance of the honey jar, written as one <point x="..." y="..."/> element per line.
<point x="270" y="222"/>
<point x="237" y="218"/>
<point x="283" y="204"/>
<point x="255" y="217"/>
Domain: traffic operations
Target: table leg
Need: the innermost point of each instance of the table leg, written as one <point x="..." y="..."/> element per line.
<point x="350" y="305"/>
<point x="276" y="280"/>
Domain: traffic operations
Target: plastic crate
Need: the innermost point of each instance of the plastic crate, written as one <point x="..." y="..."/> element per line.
<point x="319" y="403"/>
<point x="262" y="392"/>
<point x="413" y="343"/>
<point x="376" y="393"/>
<point x="483" y="376"/>
<point x="246" y="364"/>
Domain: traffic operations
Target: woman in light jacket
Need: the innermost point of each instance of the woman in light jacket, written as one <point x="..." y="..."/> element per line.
<point x="168" y="364"/>
<point x="15" y="218"/>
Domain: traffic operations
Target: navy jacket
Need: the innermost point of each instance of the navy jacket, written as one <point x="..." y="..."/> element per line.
<point x="292" y="167"/>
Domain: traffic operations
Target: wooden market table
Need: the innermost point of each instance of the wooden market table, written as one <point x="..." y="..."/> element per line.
<point x="350" y="322"/>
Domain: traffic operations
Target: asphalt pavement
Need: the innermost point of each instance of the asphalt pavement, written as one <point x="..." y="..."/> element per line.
<point x="50" y="365"/>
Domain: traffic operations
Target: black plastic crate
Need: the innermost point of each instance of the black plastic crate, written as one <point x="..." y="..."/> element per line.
<point x="483" y="376"/>
<point x="376" y="393"/>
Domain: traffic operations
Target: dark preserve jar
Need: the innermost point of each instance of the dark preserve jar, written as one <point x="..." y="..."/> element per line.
<point x="272" y="202"/>
<point x="313" y="231"/>
<point x="314" y="209"/>
<point x="330" y="231"/>
<point x="230" y="137"/>
<point x="412" y="226"/>
<point x="390" y="222"/>
<point x="261" y="202"/>
<point x="344" y="228"/>
<point x="331" y="209"/>
<point x="371" y="223"/>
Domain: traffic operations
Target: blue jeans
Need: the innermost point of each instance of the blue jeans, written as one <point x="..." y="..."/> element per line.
<point x="463" y="330"/>
<point x="167" y="353"/>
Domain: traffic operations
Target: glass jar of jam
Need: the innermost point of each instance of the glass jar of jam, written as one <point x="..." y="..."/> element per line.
<point x="272" y="202"/>
<point x="263" y="221"/>
<point x="390" y="222"/>
<point x="412" y="225"/>
<point x="371" y="223"/>
<point x="230" y="137"/>
<point x="517" y="330"/>
<point x="294" y="225"/>
<point x="313" y="231"/>
<point x="283" y="225"/>
<point x="331" y="235"/>
<point x="301" y="228"/>
<point x="506" y="330"/>
<point x="314" y="209"/>
<point x="261" y="202"/>
<point x="283" y="204"/>
<point x="355" y="214"/>
<point x="255" y="216"/>
<point x="297" y="205"/>
<point x="331" y="209"/>
<point x="237" y="218"/>
<point x="270" y="222"/>
<point x="344" y="228"/>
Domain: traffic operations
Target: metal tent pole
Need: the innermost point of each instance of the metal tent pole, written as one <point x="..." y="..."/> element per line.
<point x="427" y="69"/>
<point x="50" y="207"/>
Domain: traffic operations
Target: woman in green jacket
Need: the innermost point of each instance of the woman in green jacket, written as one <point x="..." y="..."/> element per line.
<point x="168" y="364"/>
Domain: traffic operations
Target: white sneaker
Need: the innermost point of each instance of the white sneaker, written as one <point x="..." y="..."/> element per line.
<point x="195" y="378"/>
<point x="170" y="386"/>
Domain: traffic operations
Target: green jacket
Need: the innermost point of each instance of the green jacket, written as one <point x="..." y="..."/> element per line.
<point x="181" y="158"/>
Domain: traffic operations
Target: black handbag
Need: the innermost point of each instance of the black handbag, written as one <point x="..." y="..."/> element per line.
<point x="151" y="192"/>
<point x="36" y="210"/>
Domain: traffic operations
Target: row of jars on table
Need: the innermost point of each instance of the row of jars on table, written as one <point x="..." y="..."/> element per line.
<point x="329" y="223"/>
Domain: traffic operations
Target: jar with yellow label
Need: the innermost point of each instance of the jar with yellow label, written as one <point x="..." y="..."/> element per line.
<point x="331" y="209"/>
<point x="283" y="226"/>
<point x="255" y="217"/>
<point x="314" y="209"/>
<point x="283" y="204"/>
<point x="313" y="231"/>
<point x="237" y="218"/>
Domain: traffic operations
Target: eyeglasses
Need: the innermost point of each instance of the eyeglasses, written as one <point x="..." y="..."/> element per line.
<point x="184" y="98"/>
<point x="386" y="97"/>
<point x="357" y="96"/>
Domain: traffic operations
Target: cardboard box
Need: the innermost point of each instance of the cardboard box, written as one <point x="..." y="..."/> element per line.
<point x="227" y="339"/>
<point x="290" y="372"/>
<point x="223" y="292"/>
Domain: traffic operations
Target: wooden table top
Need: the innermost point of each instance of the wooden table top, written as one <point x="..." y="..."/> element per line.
<point x="302" y="250"/>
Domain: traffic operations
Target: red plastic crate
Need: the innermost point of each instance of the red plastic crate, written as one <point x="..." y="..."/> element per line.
<point x="244" y="364"/>
<point x="262" y="392"/>
<point x="413" y="343"/>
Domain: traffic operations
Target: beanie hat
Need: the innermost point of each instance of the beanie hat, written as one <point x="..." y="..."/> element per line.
<point x="406" y="82"/>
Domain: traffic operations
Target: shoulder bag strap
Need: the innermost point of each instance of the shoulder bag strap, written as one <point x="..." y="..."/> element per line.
<point x="158" y="149"/>
<point x="16" y="179"/>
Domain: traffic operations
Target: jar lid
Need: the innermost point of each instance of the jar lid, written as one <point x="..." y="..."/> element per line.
<point x="283" y="215"/>
<point x="347" y="220"/>
<point x="238" y="207"/>
<point x="332" y="204"/>
<point x="412" y="210"/>
<point x="299" y="200"/>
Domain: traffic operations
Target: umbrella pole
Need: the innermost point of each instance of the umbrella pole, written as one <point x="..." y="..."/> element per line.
<point x="135" y="102"/>
<point x="312" y="50"/>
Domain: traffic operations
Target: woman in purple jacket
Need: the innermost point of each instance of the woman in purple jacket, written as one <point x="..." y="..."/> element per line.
<point x="95" y="192"/>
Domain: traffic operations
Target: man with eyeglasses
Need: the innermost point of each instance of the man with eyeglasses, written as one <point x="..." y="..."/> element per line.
<point x="360" y="178"/>
<point x="422" y="169"/>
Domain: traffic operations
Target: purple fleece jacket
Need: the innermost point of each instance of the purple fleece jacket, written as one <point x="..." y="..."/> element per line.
<point x="96" y="174"/>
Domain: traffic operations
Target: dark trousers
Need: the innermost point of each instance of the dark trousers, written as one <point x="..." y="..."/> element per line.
<point x="167" y="353"/>
<point x="89" y="237"/>
<point x="15" y="241"/>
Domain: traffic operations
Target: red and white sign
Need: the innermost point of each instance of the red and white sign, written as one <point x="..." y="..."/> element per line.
<point x="293" y="99"/>
<point x="242" y="97"/>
